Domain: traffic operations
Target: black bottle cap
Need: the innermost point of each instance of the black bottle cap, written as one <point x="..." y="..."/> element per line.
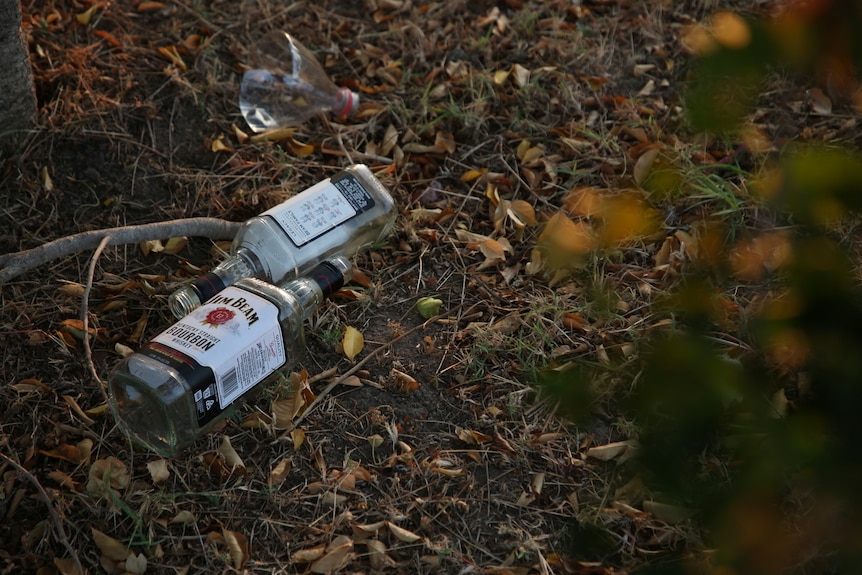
<point x="207" y="286"/>
<point x="328" y="277"/>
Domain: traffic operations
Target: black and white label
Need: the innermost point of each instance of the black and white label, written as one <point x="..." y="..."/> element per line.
<point x="321" y="208"/>
<point x="223" y="348"/>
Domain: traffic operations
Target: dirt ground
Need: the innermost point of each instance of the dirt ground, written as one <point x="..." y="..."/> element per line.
<point x="462" y="467"/>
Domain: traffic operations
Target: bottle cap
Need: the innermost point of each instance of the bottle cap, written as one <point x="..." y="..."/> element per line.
<point x="351" y="103"/>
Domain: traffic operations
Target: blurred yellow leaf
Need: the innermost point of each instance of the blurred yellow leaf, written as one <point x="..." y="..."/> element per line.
<point x="84" y="17"/>
<point x="170" y="52"/>
<point x="298" y="437"/>
<point x="730" y="30"/>
<point x="176" y="245"/>
<point x="352" y="342"/>
<point x="572" y="238"/>
<point x="300" y="149"/>
<point x="218" y="145"/>
<point x="500" y="76"/>
<point x="273" y="135"/>
<point x="241" y="136"/>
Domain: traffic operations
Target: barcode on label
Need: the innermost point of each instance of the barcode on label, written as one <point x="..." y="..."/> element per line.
<point x="229" y="383"/>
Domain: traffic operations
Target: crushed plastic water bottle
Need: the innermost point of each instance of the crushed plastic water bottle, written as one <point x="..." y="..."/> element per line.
<point x="287" y="85"/>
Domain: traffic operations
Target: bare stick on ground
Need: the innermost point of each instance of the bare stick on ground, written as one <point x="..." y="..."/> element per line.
<point x="24" y="261"/>
<point x="85" y="315"/>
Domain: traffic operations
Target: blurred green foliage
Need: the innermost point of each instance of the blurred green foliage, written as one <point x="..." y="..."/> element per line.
<point x="765" y="447"/>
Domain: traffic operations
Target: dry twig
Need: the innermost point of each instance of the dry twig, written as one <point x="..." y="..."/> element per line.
<point x="55" y="517"/>
<point x="24" y="261"/>
<point x="84" y="315"/>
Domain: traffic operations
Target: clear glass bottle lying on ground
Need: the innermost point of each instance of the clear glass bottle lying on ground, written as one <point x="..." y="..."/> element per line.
<point x="177" y="387"/>
<point x="286" y="85"/>
<point x="342" y="215"/>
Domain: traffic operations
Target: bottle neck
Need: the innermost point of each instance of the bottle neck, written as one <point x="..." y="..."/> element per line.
<point x="244" y="264"/>
<point x="320" y="283"/>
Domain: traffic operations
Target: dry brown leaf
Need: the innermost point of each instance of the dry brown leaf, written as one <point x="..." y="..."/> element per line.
<point x="366" y="531"/>
<point x="71" y="289"/>
<point x="404" y="382"/>
<point x="67" y="566"/>
<point x="390" y="139"/>
<point x="377" y="553"/>
<point x="522" y="213"/>
<point x="70" y="401"/>
<point x="110" y="547"/>
<point x="158" y="470"/>
<point x="183" y="517"/>
<point x="671" y="514"/>
<point x="108" y="474"/>
<point x="136" y="564"/>
<point x="309" y="555"/>
<point x="352" y="342"/>
<point x="218" y="145"/>
<point x="446" y="141"/>
<point x="520" y="75"/>
<point x="65" y="452"/>
<point x="500" y="76"/>
<point x="338" y="555"/>
<point x="151" y="247"/>
<point x="644" y="165"/>
<point x="170" y="52"/>
<point x="618" y="450"/>
<point x="237" y="543"/>
<point x="64" y="480"/>
<point x="279" y="473"/>
<point x="285" y="410"/>
<point x="149" y="6"/>
<point x="472" y="437"/>
<point x="298" y="438"/>
<point x="402" y="534"/>
<point x="231" y="458"/>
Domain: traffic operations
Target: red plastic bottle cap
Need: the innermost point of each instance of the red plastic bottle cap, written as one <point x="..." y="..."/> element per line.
<point x="351" y="103"/>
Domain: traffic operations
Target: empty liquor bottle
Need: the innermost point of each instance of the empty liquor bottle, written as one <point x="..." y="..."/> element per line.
<point x="340" y="215"/>
<point x="287" y="85"/>
<point x="179" y="385"/>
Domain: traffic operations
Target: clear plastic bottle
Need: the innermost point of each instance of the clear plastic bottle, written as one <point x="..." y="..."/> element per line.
<point x="178" y="386"/>
<point x="340" y="215"/>
<point x="287" y="85"/>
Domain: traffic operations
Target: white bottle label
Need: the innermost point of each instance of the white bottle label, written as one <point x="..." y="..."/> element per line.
<point x="321" y="208"/>
<point x="237" y="335"/>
